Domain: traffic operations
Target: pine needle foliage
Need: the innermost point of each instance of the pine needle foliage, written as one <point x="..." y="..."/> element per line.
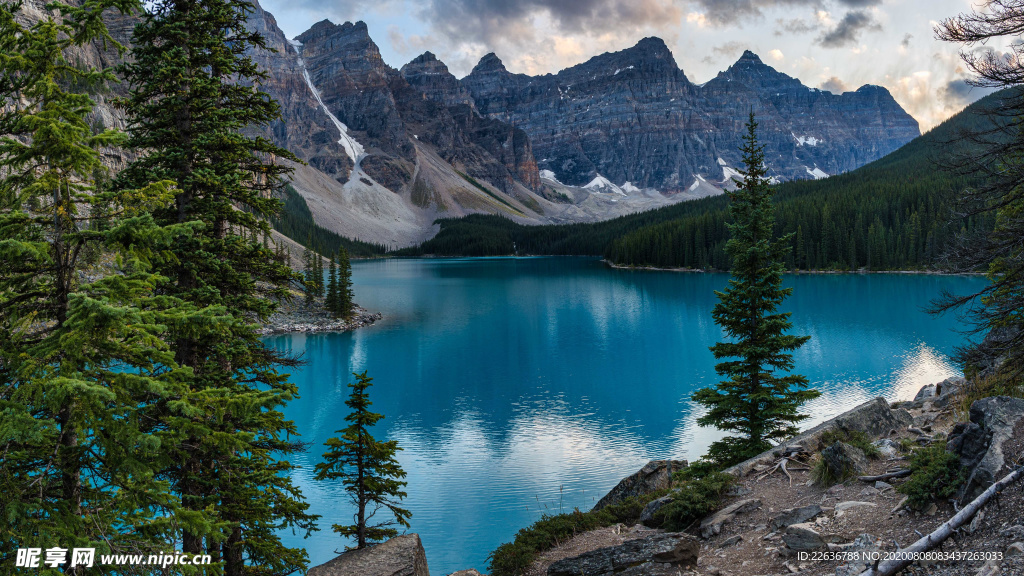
<point x="82" y="354"/>
<point x="753" y="401"/>
<point x="371" y="475"/>
<point x="193" y="98"/>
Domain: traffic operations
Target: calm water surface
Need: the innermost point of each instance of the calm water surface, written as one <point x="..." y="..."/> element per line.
<point x="519" y="387"/>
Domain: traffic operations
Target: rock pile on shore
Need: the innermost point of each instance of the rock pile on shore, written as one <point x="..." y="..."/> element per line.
<point x="296" y="316"/>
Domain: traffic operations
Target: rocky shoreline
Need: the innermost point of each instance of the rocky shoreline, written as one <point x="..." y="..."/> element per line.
<point x="296" y="316"/>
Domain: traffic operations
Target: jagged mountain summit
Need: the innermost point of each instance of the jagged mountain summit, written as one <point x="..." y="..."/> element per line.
<point x="633" y="116"/>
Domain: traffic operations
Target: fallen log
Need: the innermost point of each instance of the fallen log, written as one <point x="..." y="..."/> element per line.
<point x="930" y="541"/>
<point x="886" y="476"/>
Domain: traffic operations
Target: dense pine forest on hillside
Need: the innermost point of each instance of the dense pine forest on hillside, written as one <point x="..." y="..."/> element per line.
<point x="296" y="222"/>
<point x="895" y="213"/>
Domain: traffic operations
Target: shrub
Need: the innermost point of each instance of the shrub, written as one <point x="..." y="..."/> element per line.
<point x="513" y="558"/>
<point x="935" y="475"/>
<point x="854" y="438"/>
<point x="978" y="387"/>
<point x="693" y="498"/>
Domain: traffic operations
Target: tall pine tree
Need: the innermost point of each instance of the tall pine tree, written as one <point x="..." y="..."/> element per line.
<point x="368" y="470"/>
<point x="194" y="93"/>
<point x="81" y="351"/>
<point x="754" y="402"/>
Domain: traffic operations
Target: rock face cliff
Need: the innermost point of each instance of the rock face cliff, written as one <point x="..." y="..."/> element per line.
<point x="633" y="116"/>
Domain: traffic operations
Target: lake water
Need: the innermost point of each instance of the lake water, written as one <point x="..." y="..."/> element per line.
<point x="519" y="387"/>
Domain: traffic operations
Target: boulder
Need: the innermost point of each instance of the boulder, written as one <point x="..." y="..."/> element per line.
<point x="938" y="395"/>
<point x="802" y="538"/>
<point x="887" y="447"/>
<point x="656" y="555"/>
<point x="655" y="475"/>
<point x="470" y="572"/>
<point x="844" y="461"/>
<point x="844" y="506"/>
<point x="927" y="391"/>
<point x="794" y="516"/>
<point x="713" y="524"/>
<point x="859" y="553"/>
<point x="874" y="418"/>
<point x="647" y="515"/>
<point x="979" y="443"/>
<point x="399" y="556"/>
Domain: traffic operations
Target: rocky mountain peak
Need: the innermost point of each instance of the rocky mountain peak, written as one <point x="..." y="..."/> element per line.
<point x="489" y="63"/>
<point x="349" y="44"/>
<point x="749" y="57"/>
<point x="431" y="77"/>
<point x="753" y="73"/>
<point x="653" y="46"/>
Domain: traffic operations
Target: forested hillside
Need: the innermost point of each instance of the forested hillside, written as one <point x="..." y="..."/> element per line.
<point x="895" y="213"/>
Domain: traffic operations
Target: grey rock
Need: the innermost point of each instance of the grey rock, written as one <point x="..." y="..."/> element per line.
<point x="731" y="541"/>
<point x="991" y="568"/>
<point x="399" y="556"/>
<point x="656" y="555"/>
<point x="869" y="491"/>
<point x="882" y="485"/>
<point x="979" y="443"/>
<point x="1015" y="531"/>
<point x="860" y="551"/>
<point x="1014" y="549"/>
<point x="887" y="447"/>
<point x="647" y="515"/>
<point x="874" y="418"/>
<point x="655" y="475"/>
<point x="794" y="516"/>
<point x="803" y="538"/>
<point x="713" y="524"/>
<point x="844" y="461"/>
<point x="926" y="391"/>
<point x="844" y="506"/>
<point x="470" y="572"/>
<point x="976" y="522"/>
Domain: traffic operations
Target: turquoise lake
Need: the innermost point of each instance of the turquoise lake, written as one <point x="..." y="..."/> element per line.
<point x="519" y="387"/>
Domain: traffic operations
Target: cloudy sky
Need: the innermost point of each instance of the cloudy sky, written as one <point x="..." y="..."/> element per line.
<point x="831" y="44"/>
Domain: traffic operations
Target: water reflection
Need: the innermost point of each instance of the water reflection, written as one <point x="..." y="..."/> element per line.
<point x="519" y="387"/>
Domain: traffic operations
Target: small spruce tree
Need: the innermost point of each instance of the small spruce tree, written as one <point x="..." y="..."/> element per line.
<point x="753" y="401"/>
<point x="331" y="300"/>
<point x="345" y="304"/>
<point x="308" y="274"/>
<point x="368" y="469"/>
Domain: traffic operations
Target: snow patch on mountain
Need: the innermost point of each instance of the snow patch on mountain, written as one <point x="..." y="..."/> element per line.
<point x="602" y="184"/>
<point x="722" y="162"/>
<point x="629" y="188"/>
<point x="731" y="173"/>
<point x="806" y="140"/>
<point x="817" y="173"/>
<point x="549" y="175"/>
<point x="354" y="149"/>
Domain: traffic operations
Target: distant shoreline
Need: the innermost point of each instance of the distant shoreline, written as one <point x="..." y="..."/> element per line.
<point x="712" y="271"/>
